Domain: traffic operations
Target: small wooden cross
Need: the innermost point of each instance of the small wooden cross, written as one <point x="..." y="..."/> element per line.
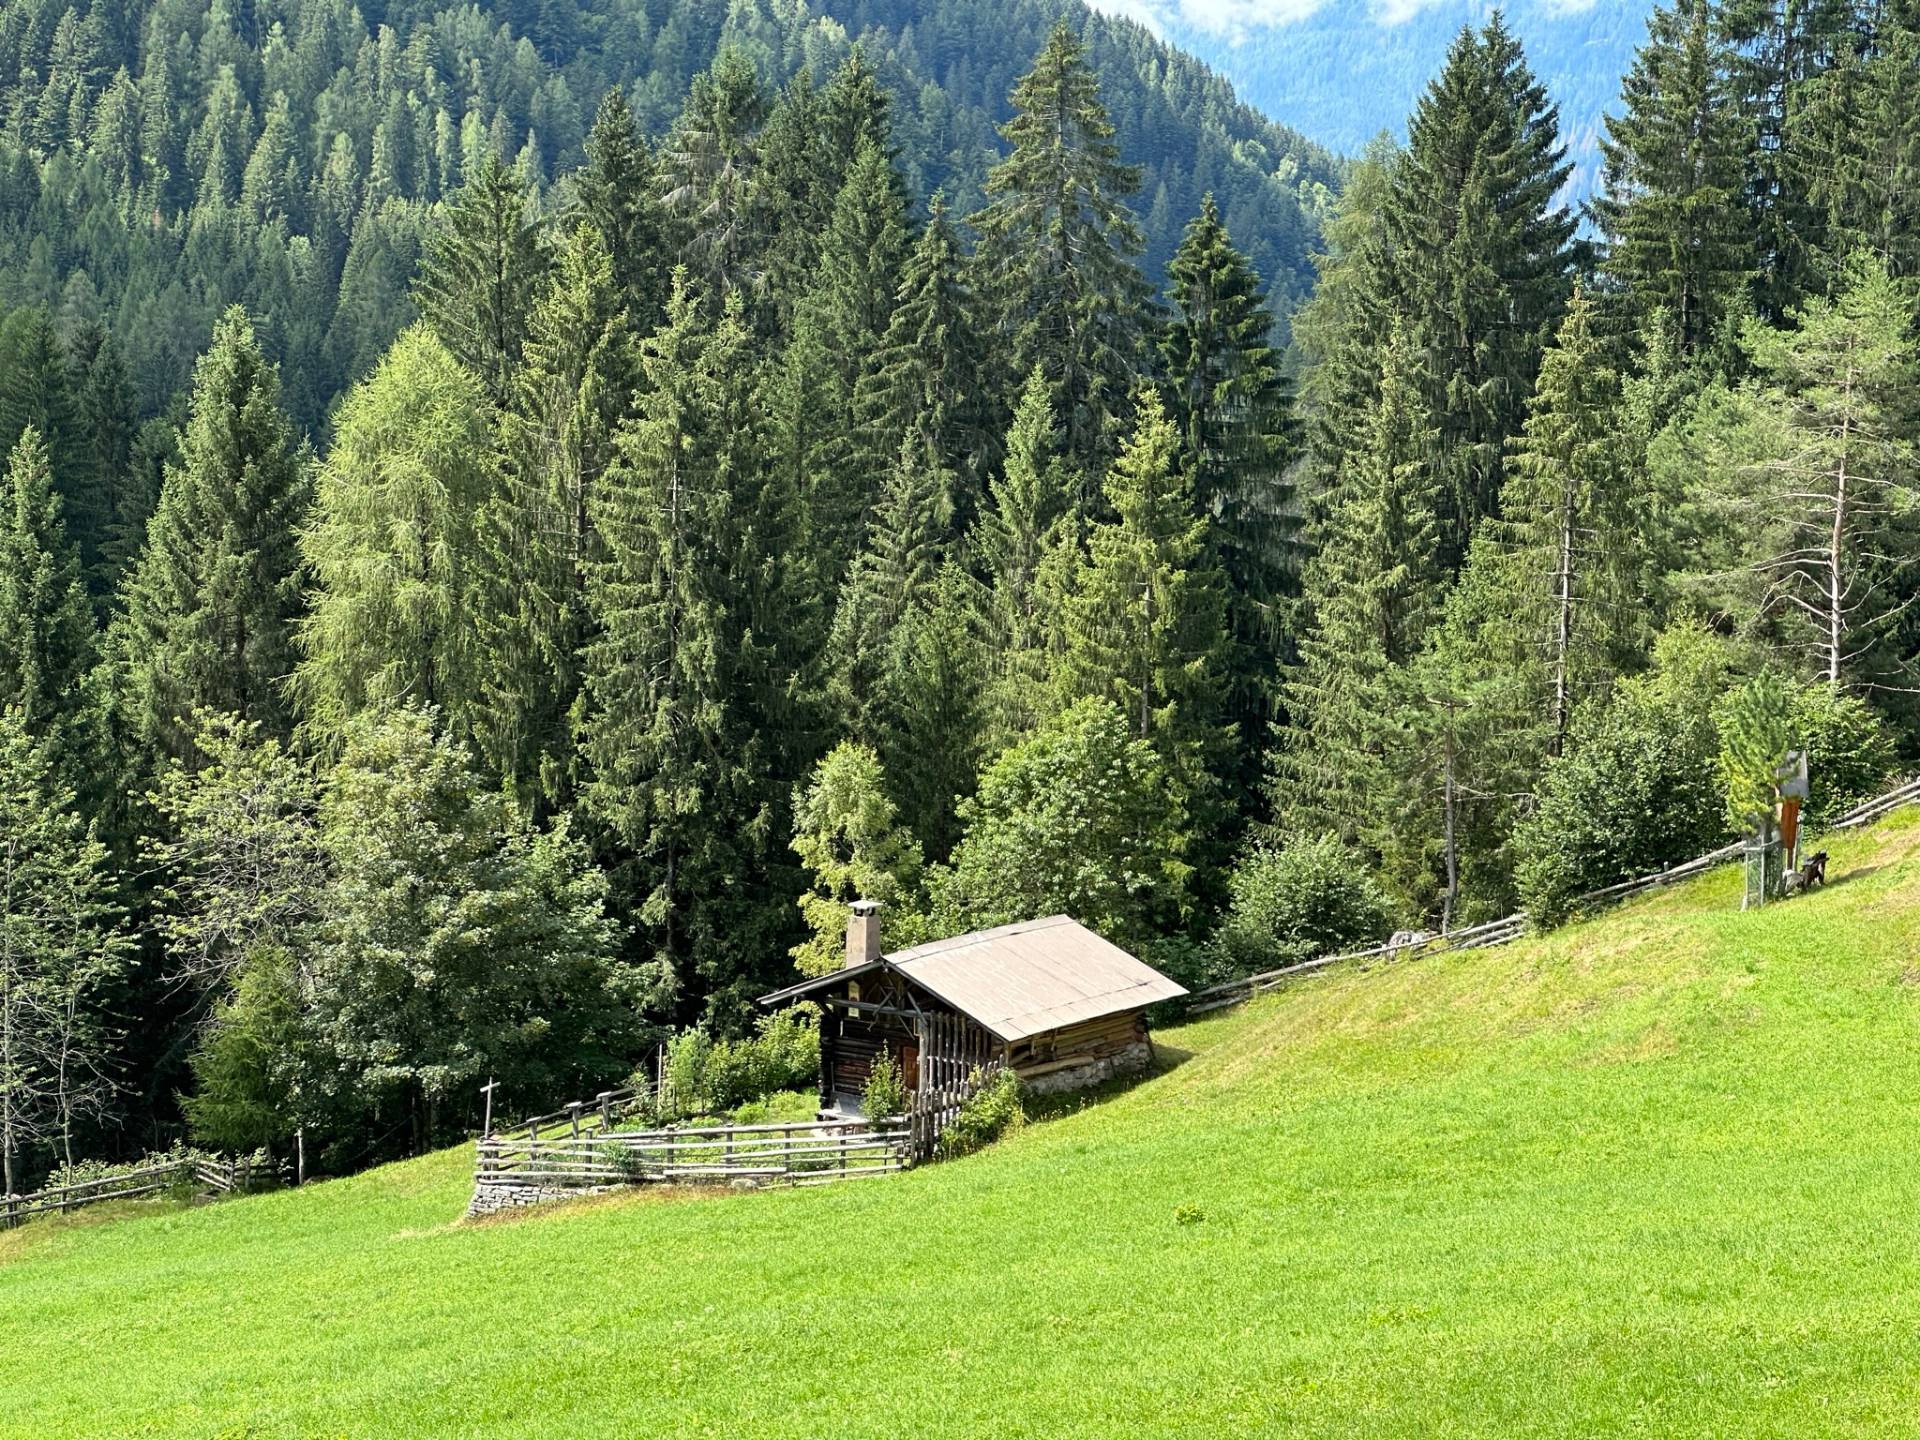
<point x="486" y="1125"/>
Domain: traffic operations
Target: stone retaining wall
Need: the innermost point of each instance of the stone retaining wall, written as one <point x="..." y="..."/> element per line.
<point x="492" y="1199"/>
<point x="1134" y="1058"/>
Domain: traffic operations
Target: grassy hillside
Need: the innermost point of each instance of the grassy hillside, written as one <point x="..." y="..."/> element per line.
<point x="1656" y="1175"/>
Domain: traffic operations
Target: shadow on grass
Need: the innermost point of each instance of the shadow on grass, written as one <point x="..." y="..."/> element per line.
<point x="1166" y="1059"/>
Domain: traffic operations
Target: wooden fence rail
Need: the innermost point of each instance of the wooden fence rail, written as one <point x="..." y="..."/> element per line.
<point x="207" y="1175"/>
<point x="1511" y="927"/>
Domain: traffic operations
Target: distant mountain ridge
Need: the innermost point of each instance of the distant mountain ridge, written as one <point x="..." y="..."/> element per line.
<point x="1351" y="68"/>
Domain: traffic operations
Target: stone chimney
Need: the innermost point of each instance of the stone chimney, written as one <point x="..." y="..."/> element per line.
<point x="863" y="933"/>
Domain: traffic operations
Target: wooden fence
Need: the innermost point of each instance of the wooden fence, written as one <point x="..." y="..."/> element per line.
<point x="203" y="1175"/>
<point x="1511" y="927"/>
<point x="811" y="1152"/>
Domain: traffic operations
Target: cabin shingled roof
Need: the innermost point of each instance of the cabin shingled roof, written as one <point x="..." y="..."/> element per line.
<point x="1020" y="980"/>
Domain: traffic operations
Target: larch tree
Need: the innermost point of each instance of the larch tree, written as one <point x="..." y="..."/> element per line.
<point x="1058" y="245"/>
<point x="1828" y="501"/>
<point x="392" y="545"/>
<point x="210" y="609"/>
<point x="61" y="943"/>
<point x="848" y="835"/>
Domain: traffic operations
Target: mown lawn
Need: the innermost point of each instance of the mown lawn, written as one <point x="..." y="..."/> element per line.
<point x="1656" y="1175"/>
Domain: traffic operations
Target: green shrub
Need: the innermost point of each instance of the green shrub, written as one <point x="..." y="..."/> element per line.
<point x="1850" y="752"/>
<point x="709" y="1076"/>
<point x="783" y="1107"/>
<point x="990" y="1112"/>
<point x="886" y="1091"/>
<point x="1635" y="790"/>
<point x="1315" y="897"/>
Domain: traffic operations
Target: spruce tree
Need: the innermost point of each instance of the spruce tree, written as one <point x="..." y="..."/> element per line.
<point x="392" y="547"/>
<point x="211" y="605"/>
<point x="935" y="718"/>
<point x="616" y="193"/>
<point x="928" y="371"/>
<point x="678" y="769"/>
<point x="482" y="273"/>
<point x="1373" y="592"/>
<point x="1483" y="259"/>
<point x="1057" y="248"/>
<point x="1026" y="546"/>
<point x="1233" y="408"/>
<point x="1679" y="239"/>
<point x="708" y="178"/>
<point x="106" y="412"/>
<point x="46" y="622"/>
<point x="837" y="334"/>
<point x="38" y="389"/>
<point x="846" y="833"/>
<point x="1569" y="537"/>
<point x="1146" y="626"/>
<point x="907" y="537"/>
<point x="536" y="531"/>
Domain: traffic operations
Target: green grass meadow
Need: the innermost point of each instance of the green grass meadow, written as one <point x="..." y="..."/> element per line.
<point x="1654" y="1175"/>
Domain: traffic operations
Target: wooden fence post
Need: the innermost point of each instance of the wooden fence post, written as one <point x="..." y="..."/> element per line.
<point x="300" y="1156"/>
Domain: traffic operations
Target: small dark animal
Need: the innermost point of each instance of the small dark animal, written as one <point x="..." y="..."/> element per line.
<point x="1813" y="873"/>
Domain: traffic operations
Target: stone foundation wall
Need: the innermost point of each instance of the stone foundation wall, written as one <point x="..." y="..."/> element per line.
<point x="1133" y="1058"/>
<point x="492" y="1199"/>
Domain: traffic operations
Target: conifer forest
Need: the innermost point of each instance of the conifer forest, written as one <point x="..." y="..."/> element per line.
<point x="513" y="515"/>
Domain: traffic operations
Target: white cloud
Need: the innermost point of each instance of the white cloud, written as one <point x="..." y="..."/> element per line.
<point x="1398" y="12"/>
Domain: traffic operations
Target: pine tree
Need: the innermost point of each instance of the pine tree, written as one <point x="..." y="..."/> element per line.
<point x="482" y="273"/>
<point x="1679" y="241"/>
<point x="797" y="187"/>
<point x="46" y="623"/>
<point x="1373" y="591"/>
<point x="106" y="412"/>
<point x="1233" y="408"/>
<point x="1146" y="627"/>
<point x="210" y="608"/>
<point x="392" y="545"/>
<point x="1057" y="248"/>
<point x="536" y="531"/>
<point x="616" y="192"/>
<point x="1484" y="261"/>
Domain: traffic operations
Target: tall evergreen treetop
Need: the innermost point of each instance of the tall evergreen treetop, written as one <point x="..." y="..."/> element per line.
<point x="211" y="605"/>
<point x="1484" y="259"/>
<point x="482" y="273"/>
<point x="46" y="622"/>
<point x="1058" y="245"/>
<point x="616" y="190"/>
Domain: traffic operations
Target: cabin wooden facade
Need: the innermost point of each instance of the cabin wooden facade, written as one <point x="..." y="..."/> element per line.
<point x="1049" y="998"/>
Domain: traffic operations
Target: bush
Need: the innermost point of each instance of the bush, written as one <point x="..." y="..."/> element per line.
<point x="1850" y="752"/>
<point x="886" y="1092"/>
<point x="783" y="1107"/>
<point x="1636" y="790"/>
<point x="1315" y="897"/>
<point x="707" y="1076"/>
<point x="990" y="1112"/>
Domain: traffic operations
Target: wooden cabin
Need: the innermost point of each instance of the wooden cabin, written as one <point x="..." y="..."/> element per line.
<point x="1060" y="1005"/>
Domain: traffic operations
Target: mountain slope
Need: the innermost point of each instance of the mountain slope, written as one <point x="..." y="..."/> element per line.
<point x="1352" y="68"/>
<point x="1655" y="1174"/>
<point x="162" y="159"/>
